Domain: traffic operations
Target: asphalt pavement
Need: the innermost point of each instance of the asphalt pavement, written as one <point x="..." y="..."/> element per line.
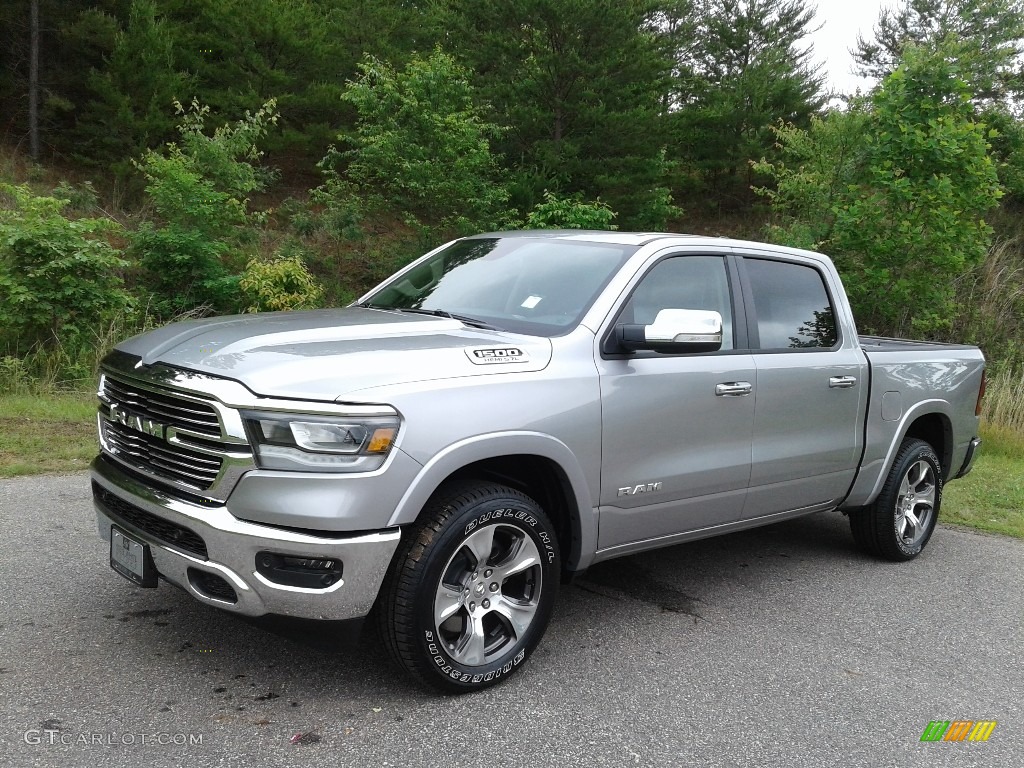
<point x="782" y="646"/>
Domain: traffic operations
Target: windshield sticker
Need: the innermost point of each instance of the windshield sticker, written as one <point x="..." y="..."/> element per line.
<point x="496" y="356"/>
<point x="531" y="302"/>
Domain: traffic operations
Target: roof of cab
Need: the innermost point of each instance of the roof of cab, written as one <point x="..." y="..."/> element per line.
<point x="588" y="235"/>
<point x="639" y="239"/>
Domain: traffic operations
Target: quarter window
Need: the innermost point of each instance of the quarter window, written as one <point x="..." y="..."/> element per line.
<point x="792" y="306"/>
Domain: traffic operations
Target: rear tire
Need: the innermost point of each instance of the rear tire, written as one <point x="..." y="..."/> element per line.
<point x="902" y="519"/>
<point x="471" y="589"/>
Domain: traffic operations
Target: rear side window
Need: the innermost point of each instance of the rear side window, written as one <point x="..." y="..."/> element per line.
<point x="792" y="306"/>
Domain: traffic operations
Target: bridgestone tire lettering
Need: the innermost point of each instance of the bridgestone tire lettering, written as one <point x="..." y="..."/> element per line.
<point x="435" y="549"/>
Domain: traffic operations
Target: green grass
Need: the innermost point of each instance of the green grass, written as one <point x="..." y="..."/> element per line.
<point x="991" y="498"/>
<point x="57" y="433"/>
<point x="46" y="433"/>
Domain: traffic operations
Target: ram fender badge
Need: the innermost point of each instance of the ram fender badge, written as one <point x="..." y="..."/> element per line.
<point x="635" y="490"/>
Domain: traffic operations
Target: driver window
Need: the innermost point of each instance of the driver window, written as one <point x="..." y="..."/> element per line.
<point x="683" y="282"/>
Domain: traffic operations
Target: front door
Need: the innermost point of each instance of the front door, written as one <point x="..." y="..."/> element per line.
<point x="676" y="437"/>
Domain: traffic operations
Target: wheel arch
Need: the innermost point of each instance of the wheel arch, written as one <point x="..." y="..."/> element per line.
<point x="539" y="465"/>
<point x="936" y="429"/>
<point x="928" y="420"/>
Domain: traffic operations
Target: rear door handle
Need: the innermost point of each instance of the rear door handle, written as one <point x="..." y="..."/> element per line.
<point x="842" y="382"/>
<point x="734" y="389"/>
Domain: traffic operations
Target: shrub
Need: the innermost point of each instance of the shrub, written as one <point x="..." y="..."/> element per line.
<point x="59" y="277"/>
<point x="280" y="283"/>
<point x="990" y="300"/>
<point x="570" y="213"/>
<point x="199" y="188"/>
<point x="183" y="268"/>
<point x="81" y="198"/>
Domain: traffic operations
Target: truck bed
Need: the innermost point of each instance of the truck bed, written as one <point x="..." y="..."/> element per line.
<point x="925" y="377"/>
<point x="887" y="344"/>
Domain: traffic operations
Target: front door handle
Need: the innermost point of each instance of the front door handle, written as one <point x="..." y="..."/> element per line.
<point x="734" y="389"/>
<point x="842" y="382"/>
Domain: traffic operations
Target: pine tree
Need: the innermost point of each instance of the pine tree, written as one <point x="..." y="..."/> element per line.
<point x="132" y="96"/>
<point x="985" y="37"/>
<point x="580" y="89"/>
<point x="746" y="70"/>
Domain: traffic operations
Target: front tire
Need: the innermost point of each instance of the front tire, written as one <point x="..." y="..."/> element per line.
<point x="902" y="519"/>
<point x="471" y="589"/>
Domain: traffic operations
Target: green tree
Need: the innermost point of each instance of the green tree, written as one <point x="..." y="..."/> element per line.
<point x="896" y="190"/>
<point x="199" y="188"/>
<point x="63" y="64"/>
<point x="393" y="32"/>
<point x="111" y="68"/>
<point x="985" y="37"/>
<point x="302" y="52"/>
<point x="420" y="146"/>
<point x="746" y="69"/>
<point x="244" y="52"/>
<point x="580" y="88"/>
<point x="984" y="40"/>
<point x="132" y="92"/>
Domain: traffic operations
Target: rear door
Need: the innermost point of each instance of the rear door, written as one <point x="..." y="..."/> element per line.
<point x="811" y="384"/>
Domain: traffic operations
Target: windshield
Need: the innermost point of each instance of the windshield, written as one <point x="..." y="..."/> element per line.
<point x="537" y="286"/>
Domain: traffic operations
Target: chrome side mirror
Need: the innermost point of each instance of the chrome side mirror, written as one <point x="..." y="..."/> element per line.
<point x="674" y="331"/>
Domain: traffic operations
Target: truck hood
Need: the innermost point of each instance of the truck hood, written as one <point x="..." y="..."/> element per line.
<point x="329" y="354"/>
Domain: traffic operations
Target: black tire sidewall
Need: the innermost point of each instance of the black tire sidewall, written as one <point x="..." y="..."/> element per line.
<point x="917" y="452"/>
<point x="515" y="510"/>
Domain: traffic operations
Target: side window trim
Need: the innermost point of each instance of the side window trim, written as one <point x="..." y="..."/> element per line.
<point x="740" y="323"/>
<point x="743" y="297"/>
<point x="753" y="333"/>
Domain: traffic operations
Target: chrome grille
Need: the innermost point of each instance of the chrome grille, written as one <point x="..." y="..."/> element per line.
<point x="163" y="407"/>
<point x="183" y="439"/>
<point x="171" y="460"/>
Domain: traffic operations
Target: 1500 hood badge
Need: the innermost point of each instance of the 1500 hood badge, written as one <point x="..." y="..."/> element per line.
<point x="497" y="355"/>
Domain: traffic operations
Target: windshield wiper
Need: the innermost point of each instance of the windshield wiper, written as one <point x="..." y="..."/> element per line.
<point x="471" y="321"/>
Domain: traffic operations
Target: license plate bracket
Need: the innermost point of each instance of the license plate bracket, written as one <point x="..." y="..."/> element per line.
<point x="131" y="558"/>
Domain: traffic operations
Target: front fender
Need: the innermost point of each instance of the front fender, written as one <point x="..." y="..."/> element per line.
<point x="461" y="454"/>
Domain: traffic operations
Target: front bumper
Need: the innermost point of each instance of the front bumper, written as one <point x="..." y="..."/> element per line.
<point x="230" y="548"/>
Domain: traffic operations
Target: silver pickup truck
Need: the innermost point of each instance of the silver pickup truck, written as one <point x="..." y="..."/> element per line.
<point x="503" y="413"/>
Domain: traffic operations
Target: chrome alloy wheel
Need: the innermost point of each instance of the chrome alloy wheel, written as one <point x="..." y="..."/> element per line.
<point x="915" y="504"/>
<point x="488" y="594"/>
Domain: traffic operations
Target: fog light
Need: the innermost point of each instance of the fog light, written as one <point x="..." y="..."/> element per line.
<point x="298" y="571"/>
<point x="308" y="564"/>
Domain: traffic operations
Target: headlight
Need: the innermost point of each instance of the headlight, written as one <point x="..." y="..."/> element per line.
<point x="308" y="443"/>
